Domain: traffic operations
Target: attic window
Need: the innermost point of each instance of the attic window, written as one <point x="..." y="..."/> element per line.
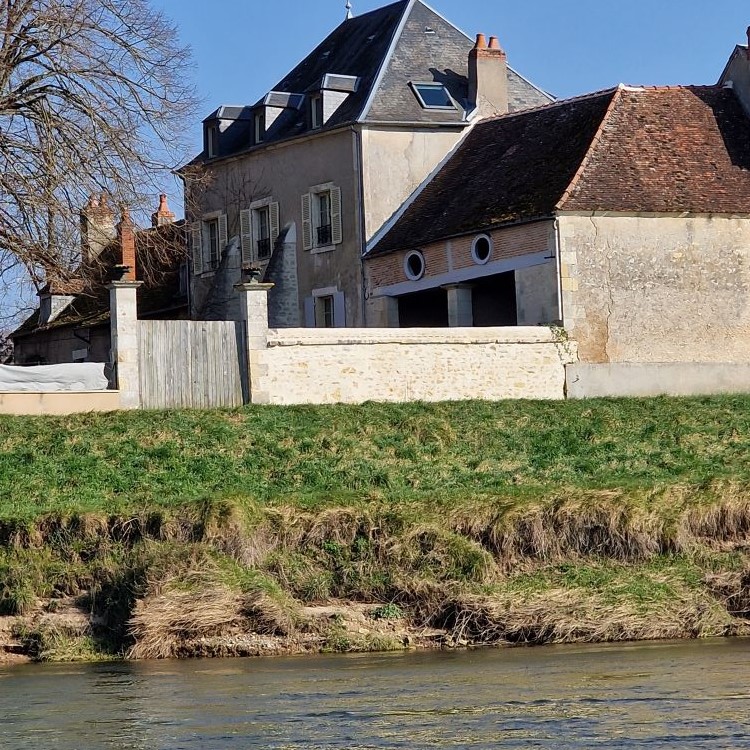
<point x="316" y="111"/>
<point x="433" y="96"/>
<point x="212" y="141"/>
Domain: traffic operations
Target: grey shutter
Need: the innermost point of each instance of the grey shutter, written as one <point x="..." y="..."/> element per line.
<point x="246" y="236"/>
<point x="337" y="235"/>
<point x="307" y="234"/>
<point x="339" y="310"/>
<point x="196" y="246"/>
<point x="310" y="312"/>
<point x="223" y="235"/>
<point x="273" y="220"/>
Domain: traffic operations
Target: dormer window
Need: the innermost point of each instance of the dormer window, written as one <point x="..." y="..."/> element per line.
<point x="259" y="126"/>
<point x="316" y="111"/>
<point x="433" y="96"/>
<point x="212" y="141"/>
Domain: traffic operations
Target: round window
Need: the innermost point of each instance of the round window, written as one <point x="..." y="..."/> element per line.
<point x="414" y="265"/>
<point x="481" y="249"/>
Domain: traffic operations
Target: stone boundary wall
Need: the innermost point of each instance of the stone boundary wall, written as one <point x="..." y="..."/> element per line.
<point x="324" y="366"/>
<point x="40" y="404"/>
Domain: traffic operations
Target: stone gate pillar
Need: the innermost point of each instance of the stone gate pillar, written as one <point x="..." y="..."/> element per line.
<point x="123" y="308"/>
<point x="254" y="312"/>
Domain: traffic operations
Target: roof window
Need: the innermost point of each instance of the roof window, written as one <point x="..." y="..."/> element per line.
<point x="433" y="96"/>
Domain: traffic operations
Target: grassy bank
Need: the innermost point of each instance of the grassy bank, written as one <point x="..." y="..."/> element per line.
<point x="269" y="530"/>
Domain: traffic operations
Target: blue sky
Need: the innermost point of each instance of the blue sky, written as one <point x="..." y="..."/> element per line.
<point x="568" y="47"/>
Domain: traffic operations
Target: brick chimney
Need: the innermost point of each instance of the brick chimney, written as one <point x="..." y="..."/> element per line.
<point x="126" y="238"/>
<point x="163" y="215"/>
<point x="488" y="77"/>
<point x="97" y="227"/>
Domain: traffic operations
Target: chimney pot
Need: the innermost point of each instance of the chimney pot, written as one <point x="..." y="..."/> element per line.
<point x="163" y="215"/>
<point x="494" y="42"/>
<point x="481" y="42"/>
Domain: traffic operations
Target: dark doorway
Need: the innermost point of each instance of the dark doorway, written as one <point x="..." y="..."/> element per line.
<point x="427" y="309"/>
<point x="494" y="300"/>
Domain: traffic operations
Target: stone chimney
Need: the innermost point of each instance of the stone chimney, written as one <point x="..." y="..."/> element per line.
<point x="97" y="227"/>
<point x="126" y="238"/>
<point x="488" y="77"/>
<point x="163" y="215"/>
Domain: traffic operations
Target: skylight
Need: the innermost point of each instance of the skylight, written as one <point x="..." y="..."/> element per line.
<point x="433" y="96"/>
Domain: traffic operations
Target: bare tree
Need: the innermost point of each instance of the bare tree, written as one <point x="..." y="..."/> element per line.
<point x="94" y="97"/>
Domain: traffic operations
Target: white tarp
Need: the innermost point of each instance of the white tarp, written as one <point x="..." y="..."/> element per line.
<point x="84" y="376"/>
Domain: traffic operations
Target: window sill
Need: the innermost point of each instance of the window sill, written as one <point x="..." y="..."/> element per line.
<point x="322" y="249"/>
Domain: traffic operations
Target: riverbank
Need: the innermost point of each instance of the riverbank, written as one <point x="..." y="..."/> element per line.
<point x="269" y="531"/>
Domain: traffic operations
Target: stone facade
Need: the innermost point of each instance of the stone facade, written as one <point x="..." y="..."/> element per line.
<point x="657" y="288"/>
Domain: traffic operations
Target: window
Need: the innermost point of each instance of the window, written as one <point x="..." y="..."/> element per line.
<point x="481" y="249"/>
<point x="321" y="218"/>
<point x="414" y="265"/>
<point x="212" y="141"/>
<point x="259" y="229"/>
<point x="208" y="238"/>
<point x="212" y="238"/>
<point x="260" y="126"/>
<point x="325" y="308"/>
<point x="316" y="111"/>
<point x="324" y="311"/>
<point x="433" y="96"/>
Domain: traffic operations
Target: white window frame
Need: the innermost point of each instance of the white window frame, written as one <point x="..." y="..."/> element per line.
<point x="316" y="111"/>
<point x="212" y="141"/>
<point x="407" y="270"/>
<point x="474" y="255"/>
<point x="338" y="302"/>
<point x="259" y="126"/>
<point x="311" y="218"/>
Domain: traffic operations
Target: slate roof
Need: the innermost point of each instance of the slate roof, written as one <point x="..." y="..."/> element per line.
<point x="159" y="294"/>
<point x="385" y="49"/>
<point x="651" y="150"/>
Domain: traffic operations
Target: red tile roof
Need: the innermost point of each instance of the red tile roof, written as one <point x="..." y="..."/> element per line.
<point x="650" y="150"/>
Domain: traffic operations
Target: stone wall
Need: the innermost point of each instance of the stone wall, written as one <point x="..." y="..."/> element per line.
<point x="656" y="289"/>
<point x="298" y="366"/>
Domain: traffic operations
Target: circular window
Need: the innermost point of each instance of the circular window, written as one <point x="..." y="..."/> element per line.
<point x="481" y="249"/>
<point x="414" y="265"/>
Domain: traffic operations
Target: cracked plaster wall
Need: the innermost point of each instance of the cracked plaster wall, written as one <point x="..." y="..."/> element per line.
<point x="656" y="289"/>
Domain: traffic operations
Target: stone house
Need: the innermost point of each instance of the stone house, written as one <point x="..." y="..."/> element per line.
<point x="72" y="323"/>
<point x="623" y="215"/>
<point x="299" y="182"/>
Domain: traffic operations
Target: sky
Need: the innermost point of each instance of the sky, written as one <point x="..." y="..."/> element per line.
<point x="242" y="48"/>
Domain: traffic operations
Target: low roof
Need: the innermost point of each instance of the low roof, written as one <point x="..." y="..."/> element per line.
<point x="158" y="267"/>
<point x="631" y="150"/>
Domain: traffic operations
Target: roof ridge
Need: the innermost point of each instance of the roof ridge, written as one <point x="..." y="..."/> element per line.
<point x="616" y="96"/>
<point x="549" y="105"/>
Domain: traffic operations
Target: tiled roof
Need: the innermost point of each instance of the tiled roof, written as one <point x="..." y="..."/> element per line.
<point x="507" y="169"/>
<point x="158" y="295"/>
<point x="651" y="150"/>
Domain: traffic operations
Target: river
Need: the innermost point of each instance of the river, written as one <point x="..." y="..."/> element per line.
<point x="668" y="695"/>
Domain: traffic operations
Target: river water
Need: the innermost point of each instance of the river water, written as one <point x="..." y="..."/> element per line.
<point x="675" y="695"/>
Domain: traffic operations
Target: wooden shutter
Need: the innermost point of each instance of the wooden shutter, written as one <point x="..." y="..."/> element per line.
<point x="196" y="246"/>
<point x="339" y="310"/>
<point x="273" y="222"/>
<point x="223" y="235"/>
<point x="246" y="236"/>
<point x="337" y="235"/>
<point x="307" y="233"/>
<point x="310" y="312"/>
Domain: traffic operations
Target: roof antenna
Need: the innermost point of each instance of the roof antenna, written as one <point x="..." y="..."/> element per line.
<point x="349" y="14"/>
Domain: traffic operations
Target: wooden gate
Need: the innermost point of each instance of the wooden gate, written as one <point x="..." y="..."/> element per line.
<point x="187" y="364"/>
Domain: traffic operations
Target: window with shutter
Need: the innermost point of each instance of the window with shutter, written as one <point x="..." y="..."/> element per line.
<point x="307" y="232"/>
<point x="196" y="246"/>
<point x="273" y="212"/>
<point x="223" y="234"/>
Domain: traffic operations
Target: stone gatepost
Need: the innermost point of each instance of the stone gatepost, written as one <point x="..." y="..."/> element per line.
<point x="460" y="313"/>
<point x="254" y="312"/>
<point x="123" y="307"/>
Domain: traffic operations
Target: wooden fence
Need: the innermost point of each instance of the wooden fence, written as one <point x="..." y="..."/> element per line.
<point x="188" y="364"/>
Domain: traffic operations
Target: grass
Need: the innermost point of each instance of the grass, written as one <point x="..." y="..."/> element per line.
<point x="318" y="456"/>
<point x="522" y="522"/>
